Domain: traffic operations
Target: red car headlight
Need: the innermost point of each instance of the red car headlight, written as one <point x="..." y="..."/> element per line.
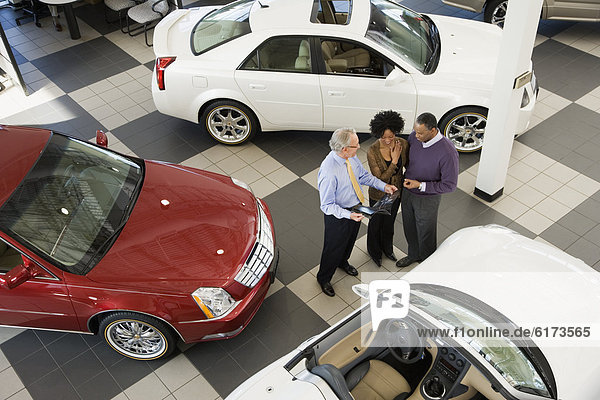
<point x="214" y="302"/>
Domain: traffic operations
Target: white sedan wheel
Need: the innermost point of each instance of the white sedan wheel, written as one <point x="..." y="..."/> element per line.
<point x="465" y="128"/>
<point x="229" y="122"/>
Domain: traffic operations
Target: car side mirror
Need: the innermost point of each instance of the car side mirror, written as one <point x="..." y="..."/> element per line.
<point x="362" y="289"/>
<point x="395" y="77"/>
<point x="101" y="138"/>
<point x="16" y="276"/>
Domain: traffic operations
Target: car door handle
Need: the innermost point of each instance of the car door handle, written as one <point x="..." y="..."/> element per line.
<point x="335" y="93"/>
<point x="257" y="86"/>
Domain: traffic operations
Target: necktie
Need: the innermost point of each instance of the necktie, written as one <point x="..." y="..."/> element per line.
<point x="355" y="184"/>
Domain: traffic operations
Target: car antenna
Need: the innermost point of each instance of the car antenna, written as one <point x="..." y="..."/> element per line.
<point x="262" y="5"/>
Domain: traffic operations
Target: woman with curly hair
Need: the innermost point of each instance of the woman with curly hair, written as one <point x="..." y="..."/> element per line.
<point x="387" y="158"/>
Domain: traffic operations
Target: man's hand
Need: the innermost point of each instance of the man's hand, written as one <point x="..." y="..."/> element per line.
<point x="356" y="217"/>
<point x="390" y="189"/>
<point x="411" y="183"/>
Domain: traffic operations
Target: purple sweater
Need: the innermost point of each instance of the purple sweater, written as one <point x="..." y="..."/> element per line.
<point x="436" y="165"/>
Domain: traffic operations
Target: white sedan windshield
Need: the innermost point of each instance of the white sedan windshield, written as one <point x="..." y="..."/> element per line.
<point x="502" y="353"/>
<point x="401" y="30"/>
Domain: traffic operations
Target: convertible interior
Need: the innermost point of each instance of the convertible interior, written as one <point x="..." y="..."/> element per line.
<point x="359" y="364"/>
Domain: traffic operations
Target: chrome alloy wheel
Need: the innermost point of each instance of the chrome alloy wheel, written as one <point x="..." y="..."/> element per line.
<point x="466" y="131"/>
<point x="228" y="124"/>
<point x="136" y="339"/>
<point x="499" y="14"/>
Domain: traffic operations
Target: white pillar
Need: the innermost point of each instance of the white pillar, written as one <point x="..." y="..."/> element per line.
<point x="518" y="37"/>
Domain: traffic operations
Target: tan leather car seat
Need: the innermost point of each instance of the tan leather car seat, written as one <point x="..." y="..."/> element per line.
<point x="354" y="58"/>
<point x="303" y="59"/>
<point x="376" y="380"/>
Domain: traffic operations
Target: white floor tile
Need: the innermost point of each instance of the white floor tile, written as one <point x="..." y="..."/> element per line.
<point x="197" y="161"/>
<point x="251" y="153"/>
<point x="148" y="388"/>
<point x="510" y="207"/>
<point x="538" y="160"/>
<point x="197" y="389"/>
<point x="231" y="164"/>
<point x="305" y="287"/>
<point x="11" y="383"/>
<point x="584" y="184"/>
<point x="217" y="153"/>
<point x="551" y="209"/>
<point x="544" y="184"/>
<point x="177" y="372"/>
<point x="327" y="307"/>
<point x="263" y="187"/>
<point x="266" y="165"/>
<point x="522" y="171"/>
<point x="247" y="174"/>
<point x="527" y="195"/>
<point x="534" y="221"/>
<point x="275" y="287"/>
<point x="568" y="196"/>
<point x="282" y="177"/>
<point x="561" y="172"/>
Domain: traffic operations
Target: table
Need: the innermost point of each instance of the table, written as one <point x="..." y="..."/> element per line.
<point x="69" y="15"/>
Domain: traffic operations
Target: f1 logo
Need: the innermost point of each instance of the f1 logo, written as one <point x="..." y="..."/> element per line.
<point x="389" y="299"/>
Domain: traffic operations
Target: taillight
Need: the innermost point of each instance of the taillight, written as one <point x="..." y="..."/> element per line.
<point x="161" y="64"/>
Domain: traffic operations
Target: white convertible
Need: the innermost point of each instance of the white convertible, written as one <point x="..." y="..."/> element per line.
<point x="269" y="65"/>
<point x="492" y="315"/>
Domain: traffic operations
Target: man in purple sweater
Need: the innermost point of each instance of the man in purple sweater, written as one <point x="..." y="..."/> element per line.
<point x="432" y="170"/>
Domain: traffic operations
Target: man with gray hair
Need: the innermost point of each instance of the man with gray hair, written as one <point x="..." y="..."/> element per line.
<point x="340" y="177"/>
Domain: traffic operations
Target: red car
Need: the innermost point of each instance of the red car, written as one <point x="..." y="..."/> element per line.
<point x="142" y="252"/>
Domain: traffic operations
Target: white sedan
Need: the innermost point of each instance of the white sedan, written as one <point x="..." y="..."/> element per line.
<point x="492" y="315"/>
<point x="320" y="65"/>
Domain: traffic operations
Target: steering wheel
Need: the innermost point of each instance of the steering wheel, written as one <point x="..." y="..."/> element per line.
<point x="403" y="341"/>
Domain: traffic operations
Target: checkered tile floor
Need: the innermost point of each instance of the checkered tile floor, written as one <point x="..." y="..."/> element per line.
<point x="102" y="82"/>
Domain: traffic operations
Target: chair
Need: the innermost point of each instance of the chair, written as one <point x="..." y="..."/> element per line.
<point x="146" y="14"/>
<point x="353" y="58"/>
<point x="32" y="9"/>
<point x="303" y="60"/>
<point x="371" y="379"/>
<point x="117" y="6"/>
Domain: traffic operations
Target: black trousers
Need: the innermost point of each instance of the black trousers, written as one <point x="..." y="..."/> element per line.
<point x="419" y="217"/>
<point x="340" y="235"/>
<point x="380" y="234"/>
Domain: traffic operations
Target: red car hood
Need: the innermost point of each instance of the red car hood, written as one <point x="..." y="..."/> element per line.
<point x="175" y="248"/>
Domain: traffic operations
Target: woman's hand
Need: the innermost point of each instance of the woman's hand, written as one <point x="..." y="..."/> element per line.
<point x="396" y="150"/>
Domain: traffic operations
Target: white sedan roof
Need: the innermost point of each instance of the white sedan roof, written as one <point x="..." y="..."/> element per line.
<point x="289" y="15"/>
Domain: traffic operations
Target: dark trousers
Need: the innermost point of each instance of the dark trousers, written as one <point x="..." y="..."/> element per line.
<point x="380" y="234"/>
<point x="340" y="235"/>
<point x="419" y="217"/>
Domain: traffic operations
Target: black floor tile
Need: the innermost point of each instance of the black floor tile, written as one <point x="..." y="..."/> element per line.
<point x="53" y="386"/>
<point x="82" y="368"/>
<point x="577" y="223"/>
<point x="106" y="354"/>
<point x="34" y="367"/>
<point x="101" y="387"/>
<point x="225" y="375"/>
<point x="283" y="303"/>
<point x="559" y="236"/>
<point x="67" y="347"/>
<point x="127" y="372"/>
<point x="93" y="15"/>
<point x="585" y="250"/>
<point x="70" y="69"/>
<point x="306" y="323"/>
<point x="253" y="356"/>
<point x="22" y="345"/>
<point x="279" y="338"/>
<point x="206" y="354"/>
<point x="47" y="337"/>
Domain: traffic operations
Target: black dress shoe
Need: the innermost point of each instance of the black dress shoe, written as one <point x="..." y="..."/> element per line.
<point x="404" y="262"/>
<point x="350" y="270"/>
<point x="327" y="289"/>
<point x="390" y="255"/>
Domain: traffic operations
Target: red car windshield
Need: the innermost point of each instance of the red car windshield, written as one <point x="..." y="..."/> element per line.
<point x="72" y="204"/>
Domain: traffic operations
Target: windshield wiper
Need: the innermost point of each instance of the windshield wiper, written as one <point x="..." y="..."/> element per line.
<point x="126" y="213"/>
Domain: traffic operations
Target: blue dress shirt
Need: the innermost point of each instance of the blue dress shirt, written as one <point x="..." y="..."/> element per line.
<point x="335" y="187"/>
